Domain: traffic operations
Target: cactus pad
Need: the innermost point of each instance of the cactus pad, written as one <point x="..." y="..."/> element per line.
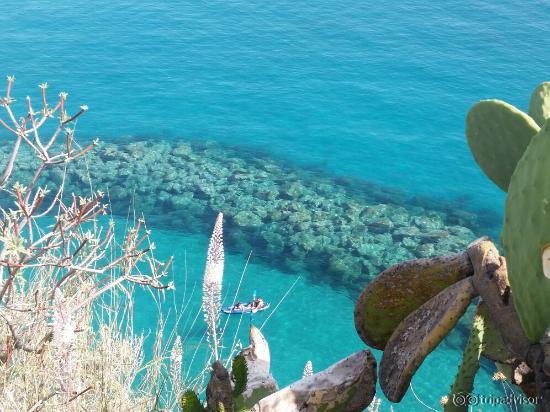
<point x="526" y="232"/>
<point x="419" y="334"/>
<point x="539" y="106"/>
<point x="498" y="134"/>
<point x="400" y="290"/>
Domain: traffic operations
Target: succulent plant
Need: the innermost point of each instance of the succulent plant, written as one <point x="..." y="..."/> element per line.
<point x="257" y="360"/>
<point x="400" y="290"/>
<point x="410" y="307"/>
<point x="526" y="235"/>
<point x="464" y="380"/>
<point x="418" y="334"/>
<point x="498" y="134"/>
<point x="513" y="150"/>
<point x="539" y="106"/>
<point x="348" y="385"/>
<point x="494" y="347"/>
<point x="423" y="328"/>
<point x="239" y="372"/>
<point x="190" y="402"/>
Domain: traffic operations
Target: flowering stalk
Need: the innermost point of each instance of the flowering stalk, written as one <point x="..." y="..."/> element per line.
<point x="176" y="357"/>
<point x="212" y="284"/>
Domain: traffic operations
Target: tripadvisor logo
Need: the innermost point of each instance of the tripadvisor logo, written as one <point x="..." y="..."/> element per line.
<point x="473" y="399"/>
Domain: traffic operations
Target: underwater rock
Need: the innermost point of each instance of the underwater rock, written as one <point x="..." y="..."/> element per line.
<point x="304" y="241"/>
<point x="461" y="231"/>
<point x="293" y="190"/>
<point x="434" y="236"/>
<point x="382" y="225"/>
<point x="344" y="264"/>
<point x="274" y="242"/>
<point x="428" y="222"/>
<point x="247" y="219"/>
<point x="181" y="202"/>
<point x="371" y="250"/>
<point x="425" y="250"/>
<point x="405" y="232"/>
<point x="408" y="243"/>
<point x="340" y="230"/>
<point x="371" y="212"/>
<point x="400" y="217"/>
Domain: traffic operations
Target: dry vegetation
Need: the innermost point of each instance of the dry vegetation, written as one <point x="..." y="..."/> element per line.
<point x="67" y="281"/>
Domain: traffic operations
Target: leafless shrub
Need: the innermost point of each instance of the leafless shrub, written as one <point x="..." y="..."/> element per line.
<point x="61" y="269"/>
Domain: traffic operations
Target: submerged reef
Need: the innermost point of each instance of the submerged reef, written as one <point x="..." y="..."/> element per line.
<point x="341" y="231"/>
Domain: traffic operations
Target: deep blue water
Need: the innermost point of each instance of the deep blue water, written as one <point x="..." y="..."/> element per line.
<point x="375" y="90"/>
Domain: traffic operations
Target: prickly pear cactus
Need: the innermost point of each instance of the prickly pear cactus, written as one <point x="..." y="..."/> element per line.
<point x="239" y="372"/>
<point x="259" y="382"/>
<point x="464" y="380"/>
<point x="498" y="134"/>
<point x="526" y="234"/>
<point x="494" y="347"/>
<point x="400" y="290"/>
<point x="420" y="333"/>
<point x="539" y="106"/>
<point x="190" y="402"/>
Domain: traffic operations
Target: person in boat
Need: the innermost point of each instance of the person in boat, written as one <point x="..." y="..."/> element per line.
<point x="238" y="306"/>
<point x="257" y="303"/>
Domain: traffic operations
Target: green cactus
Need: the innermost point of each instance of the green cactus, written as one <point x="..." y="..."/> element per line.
<point x="493" y="344"/>
<point x="402" y="289"/>
<point x="539" y="106"/>
<point x="190" y="402"/>
<point x="239" y="375"/>
<point x="464" y="380"/>
<point x="239" y="372"/>
<point x="419" y="334"/>
<point x="259" y="382"/>
<point x="498" y="134"/>
<point x="244" y="405"/>
<point x="526" y="232"/>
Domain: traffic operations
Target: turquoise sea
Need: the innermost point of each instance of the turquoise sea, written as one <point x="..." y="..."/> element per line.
<point x="372" y="93"/>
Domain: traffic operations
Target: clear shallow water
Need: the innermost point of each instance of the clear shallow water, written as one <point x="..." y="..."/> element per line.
<point x="365" y="89"/>
<point x="312" y="323"/>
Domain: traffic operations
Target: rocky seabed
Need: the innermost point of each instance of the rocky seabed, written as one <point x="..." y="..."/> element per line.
<point x="336" y="230"/>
